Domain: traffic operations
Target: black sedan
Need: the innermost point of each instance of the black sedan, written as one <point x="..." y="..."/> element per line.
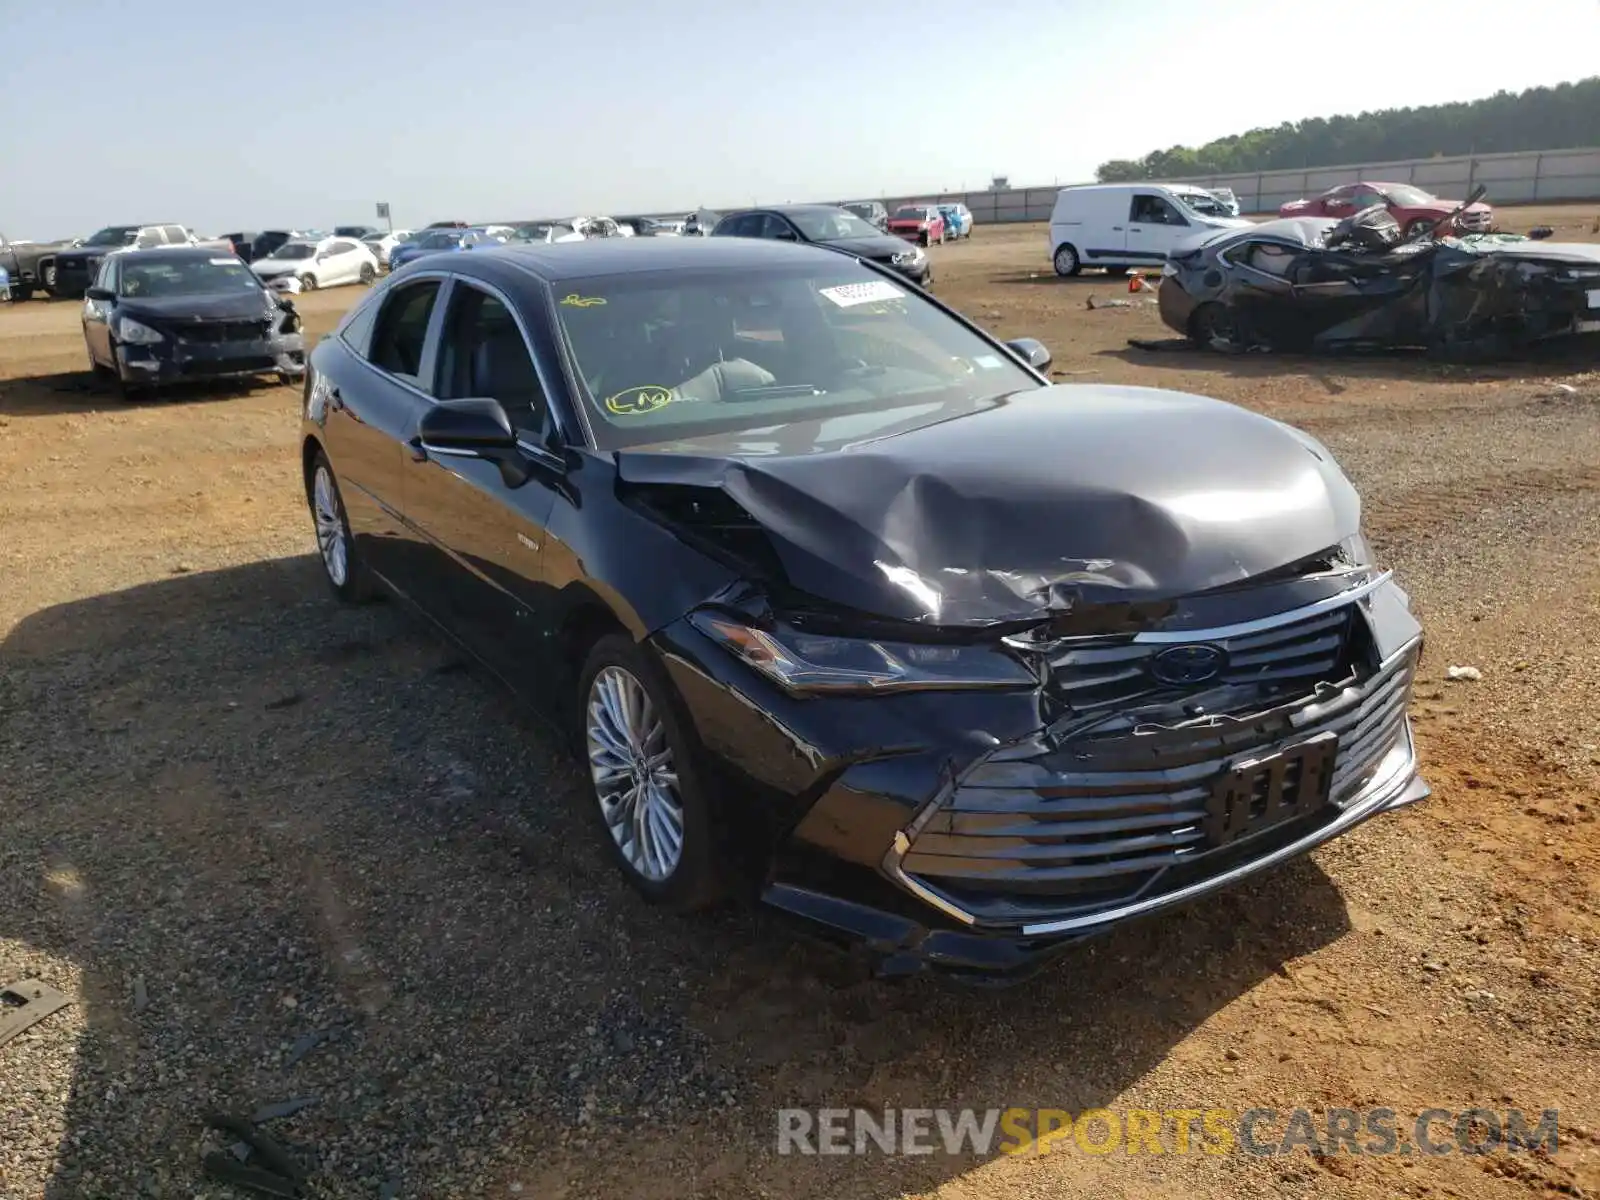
<point x="833" y="228"/>
<point x="847" y="607"/>
<point x="169" y="316"/>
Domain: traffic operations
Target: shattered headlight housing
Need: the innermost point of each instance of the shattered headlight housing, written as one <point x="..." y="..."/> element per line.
<point x="136" y="333"/>
<point x="807" y="663"/>
<point x="908" y="258"/>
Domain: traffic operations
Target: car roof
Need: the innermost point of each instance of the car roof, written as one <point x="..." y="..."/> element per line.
<point x="183" y="252"/>
<point x="638" y="256"/>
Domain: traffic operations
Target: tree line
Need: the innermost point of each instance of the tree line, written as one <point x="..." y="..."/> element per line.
<point x="1541" y="118"/>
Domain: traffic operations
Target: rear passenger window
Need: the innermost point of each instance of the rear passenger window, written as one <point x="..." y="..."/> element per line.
<point x="482" y="353"/>
<point x="175" y="235"/>
<point x="402" y="330"/>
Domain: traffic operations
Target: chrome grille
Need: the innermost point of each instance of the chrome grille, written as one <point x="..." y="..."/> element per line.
<point x="1100" y="817"/>
<point x="1289" y="659"/>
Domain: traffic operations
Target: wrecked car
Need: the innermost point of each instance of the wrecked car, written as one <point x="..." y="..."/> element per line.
<point x="1414" y="210"/>
<point x="846" y="607"/>
<point x="1315" y="284"/>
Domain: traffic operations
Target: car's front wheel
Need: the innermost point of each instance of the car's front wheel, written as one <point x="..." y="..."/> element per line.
<point x="652" y="806"/>
<point x="341" y="565"/>
<point x="1066" y="261"/>
<point x="308" y="282"/>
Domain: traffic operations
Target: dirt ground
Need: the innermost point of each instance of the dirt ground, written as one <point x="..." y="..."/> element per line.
<point x="275" y="848"/>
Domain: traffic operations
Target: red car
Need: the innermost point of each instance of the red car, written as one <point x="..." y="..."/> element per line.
<point x="1413" y="208"/>
<point x="920" y="223"/>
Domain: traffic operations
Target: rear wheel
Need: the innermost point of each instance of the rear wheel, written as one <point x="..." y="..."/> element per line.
<point x="341" y="565"/>
<point x="1066" y="260"/>
<point x="368" y="273"/>
<point x="308" y="282"/>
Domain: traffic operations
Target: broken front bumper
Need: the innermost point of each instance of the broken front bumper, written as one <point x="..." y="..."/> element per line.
<point x="914" y="828"/>
<point x="167" y="362"/>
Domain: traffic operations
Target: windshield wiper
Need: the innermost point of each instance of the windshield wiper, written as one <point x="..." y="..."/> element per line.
<point x="774" y="389"/>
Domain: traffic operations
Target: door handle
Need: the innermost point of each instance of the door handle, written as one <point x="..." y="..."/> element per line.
<point x="1116" y="229"/>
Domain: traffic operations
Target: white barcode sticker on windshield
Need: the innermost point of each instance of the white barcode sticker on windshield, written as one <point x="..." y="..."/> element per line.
<point x="848" y="294"/>
<point x="223" y="262"/>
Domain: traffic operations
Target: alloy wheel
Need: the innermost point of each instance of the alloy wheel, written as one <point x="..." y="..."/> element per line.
<point x="1066" y="261"/>
<point x="330" y="527"/>
<point x="635" y="778"/>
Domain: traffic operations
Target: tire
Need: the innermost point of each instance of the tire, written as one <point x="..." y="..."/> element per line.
<point x="368" y="274"/>
<point x="1066" y="260"/>
<point x="21" y="292"/>
<point x="1212" y="321"/>
<point x="97" y="368"/>
<point x="308" y="282"/>
<point x="346" y="574"/>
<point x="620" y="738"/>
<point x="47" y="277"/>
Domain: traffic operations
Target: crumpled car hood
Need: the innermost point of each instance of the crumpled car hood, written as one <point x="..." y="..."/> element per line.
<point x="1050" y="498"/>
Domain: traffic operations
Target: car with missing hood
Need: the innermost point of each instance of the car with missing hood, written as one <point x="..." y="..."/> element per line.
<point x="1413" y="209"/>
<point x="846" y="607"/>
<point x="1309" y="283"/>
<point x="832" y="228"/>
<point x="181" y="314"/>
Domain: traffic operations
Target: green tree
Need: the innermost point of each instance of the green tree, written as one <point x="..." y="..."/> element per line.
<point x="1541" y="118"/>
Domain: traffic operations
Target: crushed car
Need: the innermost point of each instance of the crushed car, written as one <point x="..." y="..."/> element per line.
<point x="847" y="607"/>
<point x="1316" y="284"/>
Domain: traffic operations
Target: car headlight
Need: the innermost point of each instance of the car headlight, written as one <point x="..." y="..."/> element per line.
<point x="805" y="662"/>
<point x="136" y="333"/>
<point x="909" y="258"/>
<point x="1355" y="550"/>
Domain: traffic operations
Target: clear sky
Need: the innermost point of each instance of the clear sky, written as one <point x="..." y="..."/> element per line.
<point x="262" y="113"/>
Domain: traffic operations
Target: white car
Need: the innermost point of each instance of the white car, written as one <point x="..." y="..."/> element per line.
<point x="311" y="265"/>
<point x="548" y="232"/>
<point x="381" y="243"/>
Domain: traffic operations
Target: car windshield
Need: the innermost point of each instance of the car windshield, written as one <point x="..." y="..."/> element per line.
<point x="832" y="346"/>
<point x="154" y="276"/>
<point x="825" y="226"/>
<point x="294" y="250"/>
<point x="1407" y="196"/>
<point x="531" y="233"/>
<point x="910" y="214"/>
<point x="115" y="235"/>
<point x="1204" y="203"/>
<point x="440" y="241"/>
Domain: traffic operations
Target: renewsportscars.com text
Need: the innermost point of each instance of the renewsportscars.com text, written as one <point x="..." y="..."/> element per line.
<point x="1259" y="1131"/>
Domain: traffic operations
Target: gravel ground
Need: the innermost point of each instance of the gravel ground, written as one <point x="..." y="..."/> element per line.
<point x="275" y="849"/>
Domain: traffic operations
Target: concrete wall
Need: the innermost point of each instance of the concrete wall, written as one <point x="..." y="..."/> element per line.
<point x="1522" y="178"/>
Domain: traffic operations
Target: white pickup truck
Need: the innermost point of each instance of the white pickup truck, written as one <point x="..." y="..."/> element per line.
<point x="75" y="269"/>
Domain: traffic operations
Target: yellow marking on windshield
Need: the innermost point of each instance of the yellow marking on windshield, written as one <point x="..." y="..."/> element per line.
<point x="632" y="401"/>
<point x="573" y="300"/>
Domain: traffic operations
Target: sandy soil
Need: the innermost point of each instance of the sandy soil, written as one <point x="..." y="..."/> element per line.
<point x="235" y="815"/>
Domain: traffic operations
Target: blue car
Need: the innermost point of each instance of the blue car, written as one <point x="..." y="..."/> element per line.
<point x="957" y="221"/>
<point x="439" y="241"/>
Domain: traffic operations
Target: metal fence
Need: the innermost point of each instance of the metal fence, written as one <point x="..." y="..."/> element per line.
<point x="1523" y="178"/>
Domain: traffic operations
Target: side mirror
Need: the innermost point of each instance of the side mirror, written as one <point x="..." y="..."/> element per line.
<point x="1031" y="351"/>
<point x="99" y="293"/>
<point x="477" y="428"/>
<point x="785" y="235"/>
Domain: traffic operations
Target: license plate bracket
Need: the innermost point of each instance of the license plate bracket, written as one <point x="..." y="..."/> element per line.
<point x="1257" y="794"/>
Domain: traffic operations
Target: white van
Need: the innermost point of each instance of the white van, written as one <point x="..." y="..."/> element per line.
<point x="1121" y="225"/>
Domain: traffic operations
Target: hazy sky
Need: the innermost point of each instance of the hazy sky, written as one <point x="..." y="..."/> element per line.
<point x="244" y="114"/>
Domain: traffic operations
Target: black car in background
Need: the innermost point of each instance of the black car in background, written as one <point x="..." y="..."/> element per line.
<point x="871" y="211"/>
<point x="847" y="607"/>
<point x="833" y="228"/>
<point x="170" y="316"/>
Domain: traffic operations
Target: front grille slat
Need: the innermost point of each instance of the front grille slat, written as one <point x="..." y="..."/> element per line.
<point x="1099" y="817"/>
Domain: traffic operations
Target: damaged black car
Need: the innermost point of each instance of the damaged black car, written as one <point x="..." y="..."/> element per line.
<point x="1316" y="284"/>
<point x="846" y="607"/>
